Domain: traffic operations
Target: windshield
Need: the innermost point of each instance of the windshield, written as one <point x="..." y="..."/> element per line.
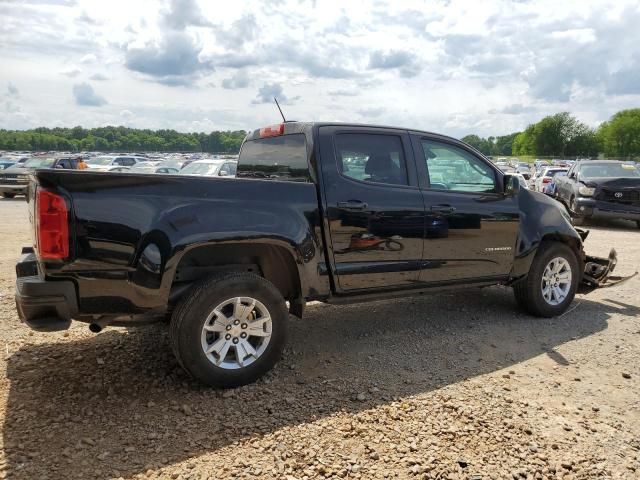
<point x="40" y="163"/>
<point x="100" y="161"/>
<point x="200" y="169"/>
<point x="609" y="170"/>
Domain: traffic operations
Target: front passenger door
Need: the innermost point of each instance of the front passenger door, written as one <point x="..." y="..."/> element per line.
<point x="471" y="226"/>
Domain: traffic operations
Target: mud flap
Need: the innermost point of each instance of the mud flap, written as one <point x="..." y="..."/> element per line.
<point x="597" y="273"/>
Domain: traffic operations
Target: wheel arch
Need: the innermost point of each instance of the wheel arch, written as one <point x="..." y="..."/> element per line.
<point x="269" y="259"/>
<point x="522" y="264"/>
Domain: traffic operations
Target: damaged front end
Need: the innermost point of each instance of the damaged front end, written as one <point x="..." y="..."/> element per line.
<point x="597" y="270"/>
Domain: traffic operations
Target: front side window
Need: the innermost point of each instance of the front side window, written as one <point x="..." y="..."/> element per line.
<point x="451" y="168"/>
<point x="371" y="158"/>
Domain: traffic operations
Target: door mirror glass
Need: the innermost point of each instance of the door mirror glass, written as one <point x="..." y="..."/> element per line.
<point x="511" y="185"/>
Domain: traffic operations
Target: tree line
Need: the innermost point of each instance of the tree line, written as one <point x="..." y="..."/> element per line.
<point x="120" y="139"/>
<point x="563" y="135"/>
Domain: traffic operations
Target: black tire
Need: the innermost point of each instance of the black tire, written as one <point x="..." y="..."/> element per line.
<point x="528" y="291"/>
<point x="191" y="313"/>
<point x="638" y="223"/>
<point x="8" y="195"/>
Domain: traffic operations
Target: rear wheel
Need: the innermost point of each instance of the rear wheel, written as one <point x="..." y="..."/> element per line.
<point x="8" y="195"/>
<point x="551" y="284"/>
<point x="230" y="330"/>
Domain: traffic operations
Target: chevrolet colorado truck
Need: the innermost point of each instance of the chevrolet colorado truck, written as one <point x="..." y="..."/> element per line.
<point x="318" y="212"/>
<point x="601" y="189"/>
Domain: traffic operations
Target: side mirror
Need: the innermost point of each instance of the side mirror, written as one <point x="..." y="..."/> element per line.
<point x="223" y="173"/>
<point x="511" y="185"/>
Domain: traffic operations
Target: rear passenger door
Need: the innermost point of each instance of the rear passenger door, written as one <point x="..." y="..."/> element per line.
<point x="374" y="208"/>
<point x="471" y="226"/>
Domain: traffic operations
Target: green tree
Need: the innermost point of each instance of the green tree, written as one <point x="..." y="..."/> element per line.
<point x="481" y="144"/>
<point x="119" y="139"/>
<point x="620" y="136"/>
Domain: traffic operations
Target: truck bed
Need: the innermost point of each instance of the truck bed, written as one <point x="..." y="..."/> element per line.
<point x="138" y="227"/>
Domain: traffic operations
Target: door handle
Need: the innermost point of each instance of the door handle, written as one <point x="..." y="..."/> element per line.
<point x="353" y="205"/>
<point x="443" y="209"/>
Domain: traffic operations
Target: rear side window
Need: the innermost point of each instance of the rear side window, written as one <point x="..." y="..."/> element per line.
<point x="278" y="158"/>
<point x="371" y="158"/>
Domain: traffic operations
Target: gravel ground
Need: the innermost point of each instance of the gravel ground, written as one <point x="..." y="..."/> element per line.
<point x="451" y="386"/>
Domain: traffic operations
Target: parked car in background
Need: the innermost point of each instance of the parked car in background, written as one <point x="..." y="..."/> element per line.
<point x="524" y="169"/>
<point x="148" y="167"/>
<point x="523" y="181"/>
<point x="545" y="177"/>
<point x="108" y="163"/>
<point x="145" y="167"/>
<point x="15" y="179"/>
<point x="550" y="188"/>
<point x="211" y="168"/>
<point x="601" y="189"/>
<point x="6" y="163"/>
<point x="539" y="164"/>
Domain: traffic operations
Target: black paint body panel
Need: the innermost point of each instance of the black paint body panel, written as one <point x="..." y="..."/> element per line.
<point x="130" y="231"/>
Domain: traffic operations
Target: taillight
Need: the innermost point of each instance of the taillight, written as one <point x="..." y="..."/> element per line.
<point x="52" y="226"/>
<point x="272" y="131"/>
<point x="546" y="180"/>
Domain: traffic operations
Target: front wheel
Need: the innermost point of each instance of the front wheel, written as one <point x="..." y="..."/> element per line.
<point x="550" y="286"/>
<point x="230" y="330"/>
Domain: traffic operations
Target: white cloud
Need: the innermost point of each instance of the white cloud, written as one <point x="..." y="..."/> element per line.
<point x="451" y="66"/>
<point x="71" y="72"/>
<point x="89" y="58"/>
<point x="12" y="90"/>
<point x="85" y="96"/>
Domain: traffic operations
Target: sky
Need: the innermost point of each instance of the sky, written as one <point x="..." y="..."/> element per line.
<point x="454" y="67"/>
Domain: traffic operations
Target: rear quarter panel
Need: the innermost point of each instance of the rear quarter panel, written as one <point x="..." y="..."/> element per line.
<point x="118" y="216"/>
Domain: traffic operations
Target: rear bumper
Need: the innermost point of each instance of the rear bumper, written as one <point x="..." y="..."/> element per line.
<point x="45" y="306"/>
<point x="588" y="207"/>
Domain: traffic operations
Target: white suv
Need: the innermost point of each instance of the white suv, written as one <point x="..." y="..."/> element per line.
<point x="107" y="163"/>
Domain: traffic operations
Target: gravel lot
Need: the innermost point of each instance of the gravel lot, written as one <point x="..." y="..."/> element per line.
<point x="452" y="386"/>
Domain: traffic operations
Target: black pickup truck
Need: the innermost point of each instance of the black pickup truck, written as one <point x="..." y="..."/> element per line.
<point x="319" y="211"/>
<point x="601" y="189"/>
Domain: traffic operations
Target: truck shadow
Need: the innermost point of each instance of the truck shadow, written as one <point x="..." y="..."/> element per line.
<point x="118" y="404"/>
